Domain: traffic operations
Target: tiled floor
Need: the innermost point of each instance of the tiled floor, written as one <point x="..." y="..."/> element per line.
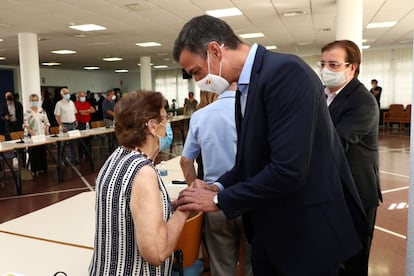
<point x="389" y="245"/>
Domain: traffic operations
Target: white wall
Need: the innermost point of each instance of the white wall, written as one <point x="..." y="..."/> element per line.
<point x="94" y="81"/>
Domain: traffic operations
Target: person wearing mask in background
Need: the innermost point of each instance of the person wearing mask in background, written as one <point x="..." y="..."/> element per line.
<point x="218" y="149"/>
<point x="376" y="91"/>
<point x="49" y="106"/>
<point x="101" y="98"/>
<point x="131" y="199"/>
<point x="83" y="116"/>
<point x="90" y="98"/>
<point x="355" y="116"/>
<point x="190" y="104"/>
<point x="174" y="104"/>
<point x="15" y="113"/>
<point x="65" y="114"/>
<point x="108" y="107"/>
<point x="291" y="181"/>
<point x="118" y="94"/>
<point x="36" y="123"/>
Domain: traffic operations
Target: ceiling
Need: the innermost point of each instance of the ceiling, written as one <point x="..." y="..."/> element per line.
<point x="131" y="21"/>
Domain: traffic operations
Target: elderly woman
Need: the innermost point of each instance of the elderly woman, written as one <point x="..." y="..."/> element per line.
<point x="136" y="228"/>
<point x="36" y="122"/>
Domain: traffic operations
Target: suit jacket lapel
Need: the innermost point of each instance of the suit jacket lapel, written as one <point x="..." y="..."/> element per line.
<point x="344" y="94"/>
<point x="257" y="64"/>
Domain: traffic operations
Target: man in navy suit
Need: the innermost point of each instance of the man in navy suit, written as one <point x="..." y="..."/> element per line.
<point x="355" y="115"/>
<point x="291" y="182"/>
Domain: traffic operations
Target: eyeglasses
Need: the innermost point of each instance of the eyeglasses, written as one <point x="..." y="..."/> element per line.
<point x="331" y="64"/>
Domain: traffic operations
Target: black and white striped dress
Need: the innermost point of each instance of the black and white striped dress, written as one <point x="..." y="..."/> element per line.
<point x="116" y="251"/>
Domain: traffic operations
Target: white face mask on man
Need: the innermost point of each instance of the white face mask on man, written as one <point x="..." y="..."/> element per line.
<point x="332" y="79"/>
<point x="211" y="82"/>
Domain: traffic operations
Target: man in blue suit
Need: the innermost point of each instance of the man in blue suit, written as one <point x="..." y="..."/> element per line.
<point x="291" y="182"/>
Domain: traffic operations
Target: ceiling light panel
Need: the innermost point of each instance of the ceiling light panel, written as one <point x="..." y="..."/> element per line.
<point x="64" y="52"/>
<point x="91" y="67"/>
<point x="251" y="35"/>
<point x="224" y="12"/>
<point x="148" y="44"/>
<point x="87" y="27"/>
<point x="51" y="63"/>
<point x="112" y="59"/>
<point x="381" y="25"/>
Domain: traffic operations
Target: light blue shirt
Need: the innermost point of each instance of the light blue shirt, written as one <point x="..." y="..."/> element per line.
<point x="213" y="133"/>
<point x="244" y="79"/>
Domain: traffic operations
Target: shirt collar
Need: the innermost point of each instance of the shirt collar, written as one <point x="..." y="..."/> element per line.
<point x="245" y="74"/>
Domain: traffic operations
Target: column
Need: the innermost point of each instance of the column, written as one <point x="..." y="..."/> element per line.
<point x="349" y="21"/>
<point x="145" y="71"/>
<point x="29" y="67"/>
<point x="410" y="227"/>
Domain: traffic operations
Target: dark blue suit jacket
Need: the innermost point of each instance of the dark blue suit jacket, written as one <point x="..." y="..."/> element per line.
<point x="291" y="182"/>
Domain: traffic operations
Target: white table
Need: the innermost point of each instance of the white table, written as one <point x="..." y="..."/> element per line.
<point x="174" y="173"/>
<point x="59" y="237"/>
<point x="70" y="221"/>
<point x="33" y="257"/>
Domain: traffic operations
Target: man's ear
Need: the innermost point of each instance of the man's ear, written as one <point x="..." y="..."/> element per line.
<point x="214" y="49"/>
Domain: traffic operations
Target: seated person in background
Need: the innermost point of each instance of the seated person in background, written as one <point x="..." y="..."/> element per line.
<point x="36" y="123"/>
<point x="190" y="104"/>
<point x="131" y="199"/>
<point x="85" y="109"/>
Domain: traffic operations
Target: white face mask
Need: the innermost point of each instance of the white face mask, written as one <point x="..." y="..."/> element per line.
<point x="332" y="79"/>
<point x="114" y="97"/>
<point x="213" y="83"/>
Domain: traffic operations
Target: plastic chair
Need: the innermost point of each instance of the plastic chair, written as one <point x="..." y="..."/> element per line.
<point x="188" y="247"/>
<point x="100" y="138"/>
<point x="96" y="124"/>
<point x="4" y="156"/>
<point x="54" y="130"/>
<point x="16" y="135"/>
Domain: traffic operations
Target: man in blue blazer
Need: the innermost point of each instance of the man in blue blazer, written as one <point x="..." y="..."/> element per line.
<point x="355" y="114"/>
<point x="291" y="183"/>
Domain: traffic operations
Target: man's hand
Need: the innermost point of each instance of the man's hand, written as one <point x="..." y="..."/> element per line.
<point x="197" y="199"/>
<point x="197" y="183"/>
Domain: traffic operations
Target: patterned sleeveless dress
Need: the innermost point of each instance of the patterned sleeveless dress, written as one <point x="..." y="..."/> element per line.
<point x="116" y="251"/>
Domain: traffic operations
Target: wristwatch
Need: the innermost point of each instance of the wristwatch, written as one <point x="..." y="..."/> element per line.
<point x="215" y="200"/>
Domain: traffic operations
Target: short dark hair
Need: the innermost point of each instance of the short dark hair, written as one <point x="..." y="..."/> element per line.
<point x="132" y="113"/>
<point x="200" y="31"/>
<point x="353" y="54"/>
<point x="374" y="80"/>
